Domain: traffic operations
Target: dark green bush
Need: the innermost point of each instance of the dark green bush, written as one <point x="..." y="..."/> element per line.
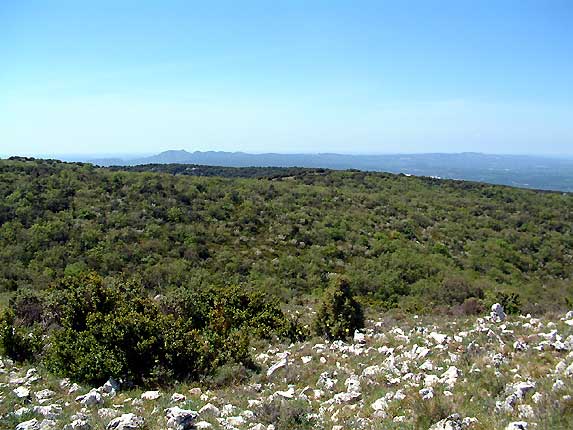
<point x="511" y="302"/>
<point x="116" y="329"/>
<point x="294" y="329"/>
<point x="338" y="313"/>
<point x="28" y="307"/>
<point x="19" y="342"/>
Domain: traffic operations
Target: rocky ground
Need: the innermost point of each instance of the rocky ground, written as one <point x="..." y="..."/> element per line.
<point x="491" y="372"/>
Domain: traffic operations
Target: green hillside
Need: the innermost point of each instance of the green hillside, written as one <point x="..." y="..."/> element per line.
<point x="415" y="243"/>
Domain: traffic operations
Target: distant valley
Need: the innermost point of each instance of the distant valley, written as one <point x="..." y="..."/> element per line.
<point x="535" y="172"/>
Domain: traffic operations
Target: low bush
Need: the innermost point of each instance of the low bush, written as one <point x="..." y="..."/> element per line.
<point x="285" y="415"/>
<point x="511" y="302"/>
<point x="19" y="342"/>
<point x="100" y="329"/>
<point x="338" y="314"/>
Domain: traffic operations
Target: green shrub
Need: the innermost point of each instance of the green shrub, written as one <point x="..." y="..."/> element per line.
<point x="228" y="375"/>
<point x="117" y="330"/>
<point x="18" y="342"/>
<point x="105" y="330"/>
<point x="28" y="307"/>
<point x="234" y="307"/>
<point x="294" y="329"/>
<point x="338" y="314"/>
<point x="286" y="414"/>
<point x="511" y="302"/>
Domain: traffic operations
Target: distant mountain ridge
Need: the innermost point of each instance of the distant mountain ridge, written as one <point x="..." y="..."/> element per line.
<point x="523" y="171"/>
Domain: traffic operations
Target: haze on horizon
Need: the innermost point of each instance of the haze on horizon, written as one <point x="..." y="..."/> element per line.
<point x="365" y="77"/>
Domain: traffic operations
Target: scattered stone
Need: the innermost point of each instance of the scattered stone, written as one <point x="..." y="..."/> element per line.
<point x="288" y="394"/>
<point x="452" y="422"/>
<point x="469" y="421"/>
<point x="195" y="391"/>
<point x="126" y="422"/>
<point x="50" y="412"/>
<point x="497" y="313"/>
<point x="525" y="411"/>
<point x="22" y="392"/>
<point x="44" y="395"/>
<point x="32" y="424"/>
<point x="110" y="387"/>
<point x="517" y="425"/>
<point x="177" y="397"/>
<point x="74" y="388"/>
<point x="47" y="424"/>
<point x="78" y="424"/>
<point x="21" y="411"/>
<point x="427" y="393"/>
<point x="346" y="397"/>
<point x="325" y="381"/>
<point x="439" y="338"/>
<point x="522" y="388"/>
<point x="150" y="395"/>
<point x="180" y="419"/>
<point x="235" y="421"/>
<point x="519" y="346"/>
<point x="108" y="413"/>
<point x="278" y="365"/>
<point x="352" y="384"/>
<point x="450" y="376"/>
<point x="558" y="385"/>
<point x="210" y="409"/>
<point x="359" y="337"/>
<point x="90" y="399"/>
<point x="228" y="410"/>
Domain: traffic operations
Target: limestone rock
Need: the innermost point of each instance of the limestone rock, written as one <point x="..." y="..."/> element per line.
<point x="497" y="313"/>
<point x="177" y="397"/>
<point x="22" y="392"/>
<point x="453" y="422"/>
<point x="108" y="413"/>
<point x="32" y="424"/>
<point x="278" y="365"/>
<point x="126" y="422"/>
<point x="50" y="412"/>
<point x="517" y="425"/>
<point x="44" y="395"/>
<point x="210" y="409"/>
<point x="150" y="395"/>
<point x="110" y="387"/>
<point x="78" y="424"/>
<point x="90" y="399"/>
<point x="180" y="419"/>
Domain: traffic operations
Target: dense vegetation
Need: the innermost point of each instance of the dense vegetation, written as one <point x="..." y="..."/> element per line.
<point x="100" y="329"/>
<point x="153" y="277"/>
<point x="227" y="172"/>
<point x="401" y="241"/>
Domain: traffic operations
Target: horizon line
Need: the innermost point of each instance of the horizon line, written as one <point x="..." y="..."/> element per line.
<point x="122" y="155"/>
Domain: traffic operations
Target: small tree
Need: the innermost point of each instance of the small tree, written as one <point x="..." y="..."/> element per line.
<point x="338" y="314"/>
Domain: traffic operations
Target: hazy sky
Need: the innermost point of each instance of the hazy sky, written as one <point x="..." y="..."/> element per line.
<point x="286" y="76"/>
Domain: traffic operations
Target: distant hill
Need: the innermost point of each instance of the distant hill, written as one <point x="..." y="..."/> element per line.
<point x="545" y="173"/>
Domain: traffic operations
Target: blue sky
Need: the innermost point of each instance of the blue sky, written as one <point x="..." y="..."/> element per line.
<point x="286" y="76"/>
